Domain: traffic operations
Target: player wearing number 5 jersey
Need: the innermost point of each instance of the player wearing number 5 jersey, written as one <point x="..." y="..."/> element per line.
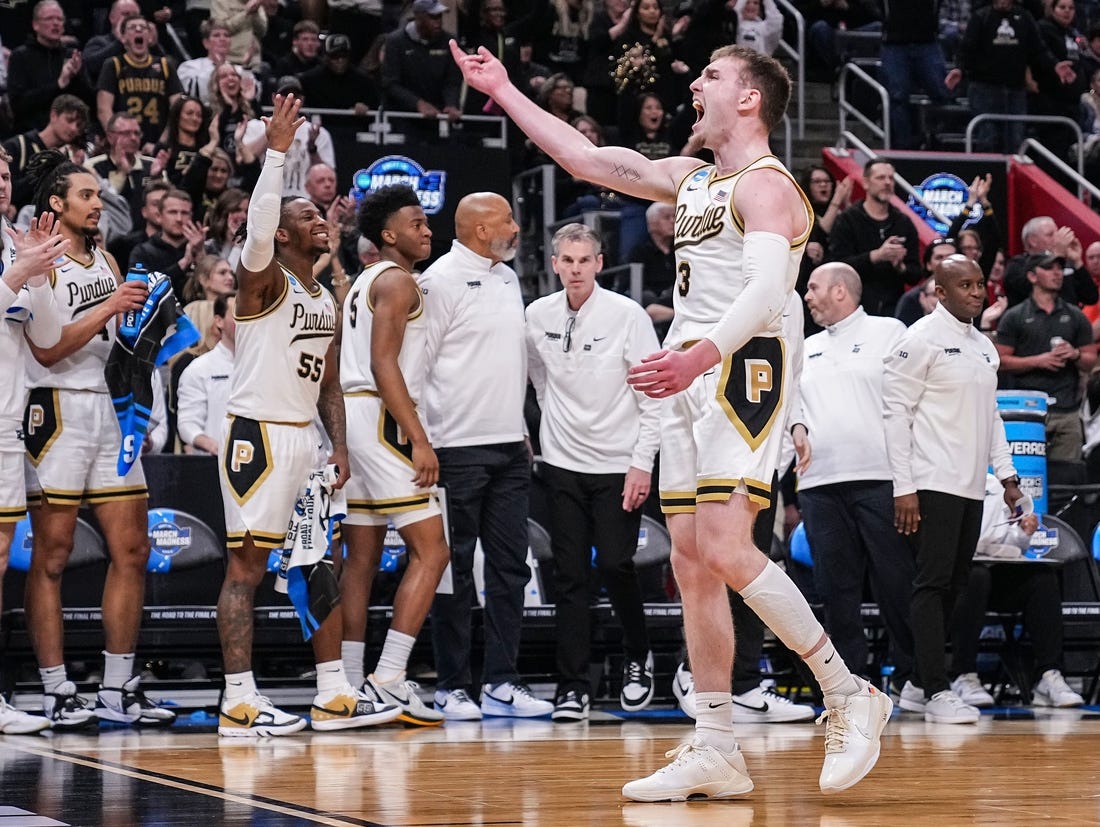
<point x="285" y="373"/>
<point x="137" y="83"/>
<point x="383" y="368"/>
<point x="740" y="227"/>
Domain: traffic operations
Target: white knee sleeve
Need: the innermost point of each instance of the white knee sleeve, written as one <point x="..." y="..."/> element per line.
<point x="778" y="602"/>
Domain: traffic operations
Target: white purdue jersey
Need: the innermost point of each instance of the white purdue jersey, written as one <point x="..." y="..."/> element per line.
<point x="77" y="288"/>
<point x="281" y="355"/>
<point x="709" y="242"/>
<point x="355" y="368"/>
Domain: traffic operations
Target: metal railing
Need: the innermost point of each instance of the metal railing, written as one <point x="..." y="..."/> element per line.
<point x="847" y="138"/>
<point x="381" y="125"/>
<point x="536" y="183"/>
<point x="1077" y="176"/>
<point x="797" y="54"/>
<point x="847" y="108"/>
<point x="787" y="143"/>
<point x="1069" y="123"/>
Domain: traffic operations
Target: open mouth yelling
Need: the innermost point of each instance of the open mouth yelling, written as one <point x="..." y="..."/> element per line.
<point x="697" y="105"/>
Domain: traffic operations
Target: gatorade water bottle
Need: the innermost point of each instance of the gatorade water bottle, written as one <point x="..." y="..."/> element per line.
<point x="130" y="318"/>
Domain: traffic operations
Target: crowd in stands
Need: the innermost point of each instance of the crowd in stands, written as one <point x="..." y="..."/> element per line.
<point x="177" y="147"/>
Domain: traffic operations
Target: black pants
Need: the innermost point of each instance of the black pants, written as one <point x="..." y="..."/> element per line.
<point x="586" y="511"/>
<point x="1009" y="587"/>
<point x="944" y="544"/>
<point x="486" y="489"/>
<point x="850" y="527"/>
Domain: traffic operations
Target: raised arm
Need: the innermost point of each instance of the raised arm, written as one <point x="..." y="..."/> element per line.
<point x="610" y="166"/>
<point x="259" y="278"/>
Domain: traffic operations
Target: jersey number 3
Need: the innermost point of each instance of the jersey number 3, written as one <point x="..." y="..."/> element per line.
<point x="684" y="271"/>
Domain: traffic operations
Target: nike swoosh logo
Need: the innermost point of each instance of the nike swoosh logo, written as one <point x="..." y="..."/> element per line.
<point x="762" y="708"/>
<point x="239" y="721"/>
<point x="338" y="713"/>
<point x="830" y="658"/>
<point x="716" y="706"/>
<point x="862" y="731"/>
<point x="598" y="338"/>
<point x="501" y="700"/>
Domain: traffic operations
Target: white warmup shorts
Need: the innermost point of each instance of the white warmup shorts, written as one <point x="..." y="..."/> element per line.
<point x="723" y="434"/>
<point x="263" y="468"/>
<point x="381" y="489"/>
<point x="72" y="441"/>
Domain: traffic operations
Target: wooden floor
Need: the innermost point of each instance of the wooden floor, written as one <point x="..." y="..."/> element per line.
<point x="1008" y="770"/>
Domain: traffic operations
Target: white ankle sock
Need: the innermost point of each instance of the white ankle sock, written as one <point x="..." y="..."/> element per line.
<point x="351" y="653"/>
<point x="394" y="657"/>
<point x="831" y="672"/>
<point x="53" y="677"/>
<point x="331" y="677"/>
<point x="714" y="720"/>
<point x="117" y="669"/>
<point x="239" y="685"/>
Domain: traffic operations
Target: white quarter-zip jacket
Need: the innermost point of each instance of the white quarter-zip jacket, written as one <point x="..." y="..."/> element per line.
<point x="593" y="422"/>
<point x="841" y="387"/>
<point x="939" y="395"/>
<point x="204" y="395"/>
<point x="476" y="351"/>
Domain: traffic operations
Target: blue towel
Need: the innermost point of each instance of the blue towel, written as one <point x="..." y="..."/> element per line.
<point x="160" y="332"/>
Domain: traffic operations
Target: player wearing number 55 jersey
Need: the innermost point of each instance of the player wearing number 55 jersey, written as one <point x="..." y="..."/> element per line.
<point x="72" y="441"/>
<point x="285" y="373"/>
<point x="740" y="229"/>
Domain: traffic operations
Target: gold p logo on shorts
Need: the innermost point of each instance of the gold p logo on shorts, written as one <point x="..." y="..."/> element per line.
<point x="242" y="453"/>
<point x="758" y="379"/>
<point x="36" y="418"/>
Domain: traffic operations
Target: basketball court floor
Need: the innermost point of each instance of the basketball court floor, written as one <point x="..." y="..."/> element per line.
<point x="1016" y="767"/>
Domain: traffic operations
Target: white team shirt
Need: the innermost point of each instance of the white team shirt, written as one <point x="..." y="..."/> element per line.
<point x="281" y="355"/>
<point x="942" y="425"/>
<point x="32" y="308"/>
<point x="203" y="395"/>
<point x="477" y="374"/>
<point x="358" y="322"/>
<point x="77" y="288"/>
<point x="709" y="243"/>
<point x="593" y="422"/>
<point x="841" y="388"/>
<point x="298" y="159"/>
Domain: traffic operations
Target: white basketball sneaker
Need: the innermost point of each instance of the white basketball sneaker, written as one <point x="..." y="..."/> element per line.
<point x="698" y="770"/>
<point x="852" y="733"/>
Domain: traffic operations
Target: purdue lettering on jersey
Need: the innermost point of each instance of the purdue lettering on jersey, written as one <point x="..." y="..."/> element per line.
<point x="142" y="91"/>
<point x="78" y="288"/>
<point x="280" y="355"/>
<point x="709" y="242"/>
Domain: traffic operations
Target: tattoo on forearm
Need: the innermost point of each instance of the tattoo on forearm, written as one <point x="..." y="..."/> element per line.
<point x="235" y="626"/>
<point x="330" y="406"/>
<point x="629" y="173"/>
